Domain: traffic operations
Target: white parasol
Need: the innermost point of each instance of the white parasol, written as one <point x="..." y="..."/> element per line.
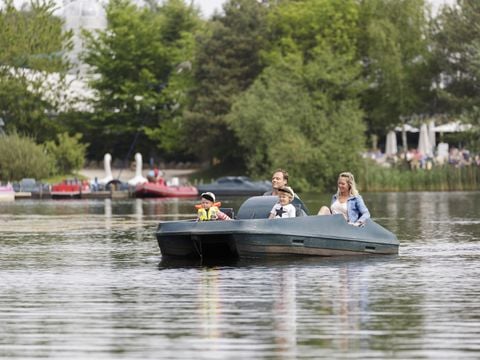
<point x="431" y="134"/>
<point x="424" y="146"/>
<point x="391" y="144"/>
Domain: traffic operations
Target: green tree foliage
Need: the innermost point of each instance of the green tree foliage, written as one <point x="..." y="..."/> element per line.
<point x="303" y="112"/>
<point x="227" y="61"/>
<point x="306" y="25"/>
<point x="457" y="59"/>
<point x="282" y="122"/>
<point x="68" y="152"/>
<point x="32" y="47"/>
<point x="21" y="157"/>
<point x="393" y="47"/>
<point x="456" y="49"/>
<point x="140" y="62"/>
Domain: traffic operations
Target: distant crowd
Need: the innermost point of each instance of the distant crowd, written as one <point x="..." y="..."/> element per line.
<point x="417" y="160"/>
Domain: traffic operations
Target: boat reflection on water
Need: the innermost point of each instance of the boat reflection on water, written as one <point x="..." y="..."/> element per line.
<point x="281" y="297"/>
<point x="179" y="262"/>
<point x="270" y="261"/>
<point x="210" y="308"/>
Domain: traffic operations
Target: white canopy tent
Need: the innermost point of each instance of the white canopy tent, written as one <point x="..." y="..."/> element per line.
<point x="407" y="128"/>
<point x="431" y="131"/>
<point x="454" y="126"/>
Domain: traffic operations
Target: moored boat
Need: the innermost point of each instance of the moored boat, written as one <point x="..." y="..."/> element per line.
<point x="70" y="189"/>
<point x="162" y="189"/>
<point x="252" y="234"/>
<point x="236" y="185"/>
<point x="31" y="188"/>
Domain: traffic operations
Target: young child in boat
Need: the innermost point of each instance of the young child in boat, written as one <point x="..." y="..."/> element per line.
<point x="208" y="208"/>
<point x="283" y="208"/>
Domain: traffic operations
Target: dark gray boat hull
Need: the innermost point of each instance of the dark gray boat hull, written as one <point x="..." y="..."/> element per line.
<point x="307" y="235"/>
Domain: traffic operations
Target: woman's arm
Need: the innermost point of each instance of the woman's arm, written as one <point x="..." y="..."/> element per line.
<point x="363" y="210"/>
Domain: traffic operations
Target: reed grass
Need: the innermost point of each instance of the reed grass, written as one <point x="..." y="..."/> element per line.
<point x="440" y="178"/>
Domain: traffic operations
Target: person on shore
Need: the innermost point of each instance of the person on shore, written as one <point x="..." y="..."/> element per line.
<point x="155" y="176"/>
<point x="284" y="207"/>
<point x="208" y="208"/>
<point x="347" y="201"/>
<point x="279" y="180"/>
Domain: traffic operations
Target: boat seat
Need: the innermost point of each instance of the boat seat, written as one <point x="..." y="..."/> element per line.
<point x="258" y="207"/>
<point x="299" y="211"/>
<point x="228" y="211"/>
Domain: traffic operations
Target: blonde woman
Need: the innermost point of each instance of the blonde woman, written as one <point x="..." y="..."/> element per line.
<point x="347" y="201"/>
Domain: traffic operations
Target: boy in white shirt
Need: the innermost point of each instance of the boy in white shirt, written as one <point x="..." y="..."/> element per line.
<point x="284" y="208"/>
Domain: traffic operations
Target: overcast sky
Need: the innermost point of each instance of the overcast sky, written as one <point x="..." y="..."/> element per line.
<point x="208" y="6"/>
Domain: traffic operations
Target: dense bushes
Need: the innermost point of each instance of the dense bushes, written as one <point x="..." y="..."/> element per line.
<point x="68" y="152"/>
<point x="21" y="157"/>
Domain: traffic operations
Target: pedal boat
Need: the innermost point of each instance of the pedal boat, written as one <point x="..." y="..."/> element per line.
<point x="252" y="234"/>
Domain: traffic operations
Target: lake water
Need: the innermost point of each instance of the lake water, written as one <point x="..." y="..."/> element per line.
<point x="85" y="279"/>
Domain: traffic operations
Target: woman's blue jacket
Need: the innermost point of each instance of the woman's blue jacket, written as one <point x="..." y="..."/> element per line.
<point x="357" y="211"/>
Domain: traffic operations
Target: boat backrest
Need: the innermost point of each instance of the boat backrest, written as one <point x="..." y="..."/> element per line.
<point x="300" y="211"/>
<point x="259" y="207"/>
<point x="229" y="212"/>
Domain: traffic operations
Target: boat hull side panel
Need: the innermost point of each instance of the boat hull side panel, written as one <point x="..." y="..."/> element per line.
<point x="296" y="245"/>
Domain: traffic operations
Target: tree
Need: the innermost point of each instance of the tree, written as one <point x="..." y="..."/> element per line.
<point x="305" y="25"/>
<point x="304" y="108"/>
<point x="32" y="48"/>
<point x="137" y="62"/>
<point x="456" y="61"/>
<point x="286" y="120"/>
<point x="227" y="61"/>
<point x="393" y="48"/>
<point x="456" y="56"/>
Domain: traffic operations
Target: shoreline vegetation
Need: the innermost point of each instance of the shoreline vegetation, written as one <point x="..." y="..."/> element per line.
<point x="440" y="178"/>
<point x="371" y="178"/>
<point x="22" y="158"/>
<point x="374" y="178"/>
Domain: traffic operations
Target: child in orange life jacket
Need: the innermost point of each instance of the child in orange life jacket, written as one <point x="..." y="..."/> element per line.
<point x="208" y="208"/>
<point x="283" y="208"/>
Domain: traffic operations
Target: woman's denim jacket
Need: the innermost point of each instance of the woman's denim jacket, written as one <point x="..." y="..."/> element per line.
<point x="357" y="211"/>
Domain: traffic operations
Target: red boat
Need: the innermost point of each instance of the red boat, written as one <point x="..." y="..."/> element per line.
<point x="161" y="189"/>
<point x="70" y="189"/>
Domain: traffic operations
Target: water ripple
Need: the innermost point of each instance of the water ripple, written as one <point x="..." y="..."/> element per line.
<point x="86" y="280"/>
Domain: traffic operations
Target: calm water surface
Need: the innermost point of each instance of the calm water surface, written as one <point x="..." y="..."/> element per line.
<point x="85" y="279"/>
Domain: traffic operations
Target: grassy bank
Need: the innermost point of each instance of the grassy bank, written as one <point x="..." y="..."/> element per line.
<point x="439" y="178"/>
